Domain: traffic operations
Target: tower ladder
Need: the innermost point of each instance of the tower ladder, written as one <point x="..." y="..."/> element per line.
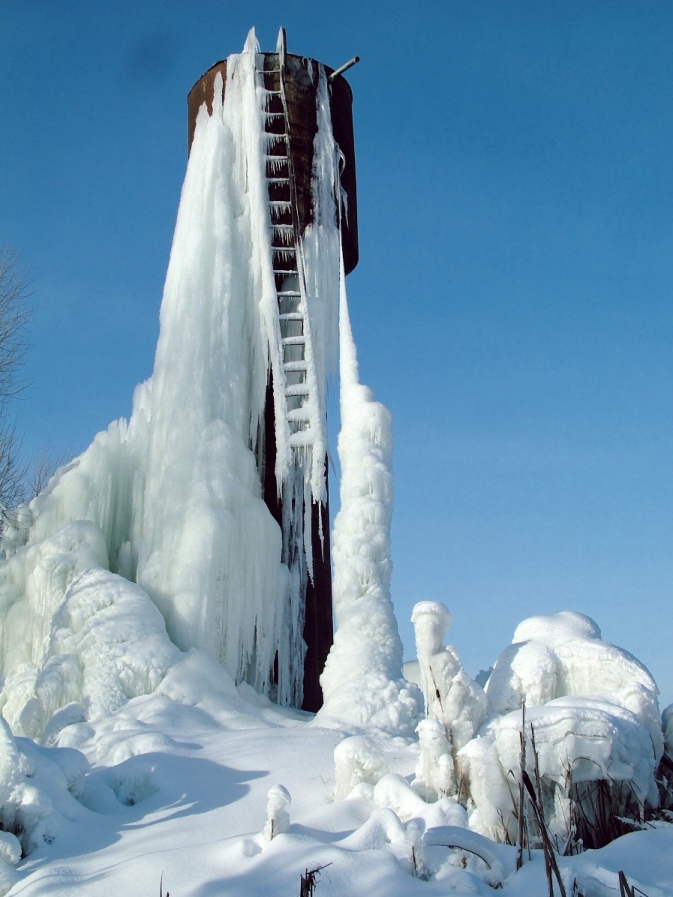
<point x="286" y="257"/>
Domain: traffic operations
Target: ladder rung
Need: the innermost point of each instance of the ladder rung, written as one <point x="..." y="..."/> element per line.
<point x="293" y="340"/>
<point x="288" y="293"/>
<point x="291" y="366"/>
<point x="292" y="316"/>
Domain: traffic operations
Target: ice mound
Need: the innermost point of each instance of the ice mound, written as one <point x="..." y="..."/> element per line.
<point x="78" y="634"/>
<point x="558" y="655"/>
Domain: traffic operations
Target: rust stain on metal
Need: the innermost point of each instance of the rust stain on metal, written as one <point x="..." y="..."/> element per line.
<point x="301" y="84"/>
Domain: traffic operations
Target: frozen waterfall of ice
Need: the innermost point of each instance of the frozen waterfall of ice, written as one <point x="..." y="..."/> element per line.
<point x="165" y="512"/>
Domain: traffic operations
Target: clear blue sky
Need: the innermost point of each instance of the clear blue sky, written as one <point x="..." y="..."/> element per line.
<point x="512" y="305"/>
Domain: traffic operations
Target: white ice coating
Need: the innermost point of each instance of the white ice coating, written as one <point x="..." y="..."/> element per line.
<point x="320" y="252"/>
<point x="362" y="682"/>
<point x="356" y="759"/>
<point x="452" y="698"/>
<point x="166" y="511"/>
<point x="277" y="816"/>
<point x="435" y="768"/>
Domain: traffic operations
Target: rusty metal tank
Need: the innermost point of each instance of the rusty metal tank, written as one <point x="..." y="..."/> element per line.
<point x="301" y="83"/>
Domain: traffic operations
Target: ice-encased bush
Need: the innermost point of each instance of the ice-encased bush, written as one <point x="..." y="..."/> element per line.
<point x="594" y="714"/>
<point x="435" y="771"/>
<point x="667" y="719"/>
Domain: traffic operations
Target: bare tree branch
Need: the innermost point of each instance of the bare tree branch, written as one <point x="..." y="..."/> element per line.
<point x="42" y="468"/>
<point x="14" y="318"/>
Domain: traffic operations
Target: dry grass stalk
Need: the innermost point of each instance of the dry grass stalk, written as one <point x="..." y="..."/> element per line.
<point x="535" y="794"/>
<point x="309" y="881"/>
<point x="523" y="834"/>
<point x="627" y="890"/>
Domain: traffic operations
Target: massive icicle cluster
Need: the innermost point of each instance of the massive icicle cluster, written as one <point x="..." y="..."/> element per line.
<point x="166" y="512"/>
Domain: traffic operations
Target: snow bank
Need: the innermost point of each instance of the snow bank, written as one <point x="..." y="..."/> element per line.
<point x="39" y="791"/>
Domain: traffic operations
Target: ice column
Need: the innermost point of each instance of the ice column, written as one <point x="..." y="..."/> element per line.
<point x="362" y="682"/>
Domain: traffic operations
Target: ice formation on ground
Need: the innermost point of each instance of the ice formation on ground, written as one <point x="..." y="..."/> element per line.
<point x="40" y="790"/>
<point x="277" y="816"/>
<point x="165" y="512"/>
<point x="357" y="759"/>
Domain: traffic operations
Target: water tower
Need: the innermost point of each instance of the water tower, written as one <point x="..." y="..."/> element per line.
<point x="288" y="92"/>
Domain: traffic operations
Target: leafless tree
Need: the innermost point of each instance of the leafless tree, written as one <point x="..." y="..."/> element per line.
<point x="14" y="317"/>
<point x="41" y="469"/>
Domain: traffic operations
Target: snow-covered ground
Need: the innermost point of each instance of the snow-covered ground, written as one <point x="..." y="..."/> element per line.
<point x="178" y="786"/>
<point x="144" y="602"/>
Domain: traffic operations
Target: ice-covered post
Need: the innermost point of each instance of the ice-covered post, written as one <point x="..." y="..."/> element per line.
<point x="431" y="621"/>
<point x="277" y="817"/>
